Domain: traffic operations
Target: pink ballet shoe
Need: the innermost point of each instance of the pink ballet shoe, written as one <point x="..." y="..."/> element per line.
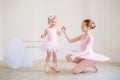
<point x="83" y="71"/>
<point x="55" y="68"/>
<point x="95" y="67"/>
<point x="47" y="67"/>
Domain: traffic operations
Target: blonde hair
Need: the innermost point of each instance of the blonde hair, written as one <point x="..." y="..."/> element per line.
<point x="51" y="18"/>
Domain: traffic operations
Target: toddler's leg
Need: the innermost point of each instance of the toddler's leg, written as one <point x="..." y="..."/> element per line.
<point x="54" y="57"/>
<point x="48" y="57"/>
<point x="47" y="66"/>
<point x="55" y="65"/>
<point x="95" y="67"/>
<point x="82" y="65"/>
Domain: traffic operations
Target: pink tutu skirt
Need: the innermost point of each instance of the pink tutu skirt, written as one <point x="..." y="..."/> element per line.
<point x="51" y="46"/>
<point x="91" y="56"/>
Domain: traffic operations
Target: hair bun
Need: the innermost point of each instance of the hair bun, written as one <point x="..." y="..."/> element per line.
<point x="51" y="17"/>
<point x="93" y="26"/>
<point x="89" y="23"/>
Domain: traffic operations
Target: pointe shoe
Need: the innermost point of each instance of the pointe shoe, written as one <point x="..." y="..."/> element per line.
<point x="47" y="67"/>
<point x="55" y="68"/>
<point x="84" y="71"/>
<point x="95" y="67"/>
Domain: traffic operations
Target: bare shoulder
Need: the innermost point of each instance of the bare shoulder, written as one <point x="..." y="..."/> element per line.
<point x="90" y="38"/>
<point x="82" y="36"/>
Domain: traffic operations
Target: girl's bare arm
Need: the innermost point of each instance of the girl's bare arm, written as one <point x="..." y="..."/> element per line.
<point x="73" y="39"/>
<point x="44" y="34"/>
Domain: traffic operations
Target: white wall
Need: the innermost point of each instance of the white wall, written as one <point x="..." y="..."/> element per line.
<point x="106" y="16"/>
<point x="27" y="19"/>
<point x="1" y="54"/>
<point x="114" y="37"/>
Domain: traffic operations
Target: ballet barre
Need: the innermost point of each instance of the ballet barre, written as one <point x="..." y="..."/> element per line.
<point x="31" y="42"/>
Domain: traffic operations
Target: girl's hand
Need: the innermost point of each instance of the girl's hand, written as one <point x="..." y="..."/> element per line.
<point x="63" y="29"/>
<point x="42" y="36"/>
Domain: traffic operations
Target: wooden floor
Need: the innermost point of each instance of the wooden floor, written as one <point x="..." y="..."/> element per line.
<point x="106" y="72"/>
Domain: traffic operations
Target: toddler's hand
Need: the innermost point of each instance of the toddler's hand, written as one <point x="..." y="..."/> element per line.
<point x="42" y="36"/>
<point x="63" y="29"/>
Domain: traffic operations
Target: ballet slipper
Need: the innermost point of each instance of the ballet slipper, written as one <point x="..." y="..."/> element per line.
<point x="47" y="67"/>
<point x="55" y="68"/>
<point x="95" y="67"/>
<point x="83" y="71"/>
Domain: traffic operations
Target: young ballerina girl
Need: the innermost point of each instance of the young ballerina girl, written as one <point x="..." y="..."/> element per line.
<point x="86" y="57"/>
<point x="51" y="46"/>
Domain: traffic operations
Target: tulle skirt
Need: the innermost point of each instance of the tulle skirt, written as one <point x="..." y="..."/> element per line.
<point x="18" y="56"/>
<point x="51" y="46"/>
<point x="91" y="56"/>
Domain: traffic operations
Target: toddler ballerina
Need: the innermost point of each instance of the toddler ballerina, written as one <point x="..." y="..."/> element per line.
<point x="52" y="45"/>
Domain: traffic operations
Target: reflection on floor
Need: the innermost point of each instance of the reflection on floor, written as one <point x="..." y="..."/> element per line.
<point x="106" y="72"/>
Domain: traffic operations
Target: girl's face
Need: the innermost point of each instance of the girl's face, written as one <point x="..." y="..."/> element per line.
<point x="84" y="27"/>
<point x="52" y="23"/>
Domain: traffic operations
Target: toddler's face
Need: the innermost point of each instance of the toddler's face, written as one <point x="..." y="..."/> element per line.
<point x="52" y="23"/>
